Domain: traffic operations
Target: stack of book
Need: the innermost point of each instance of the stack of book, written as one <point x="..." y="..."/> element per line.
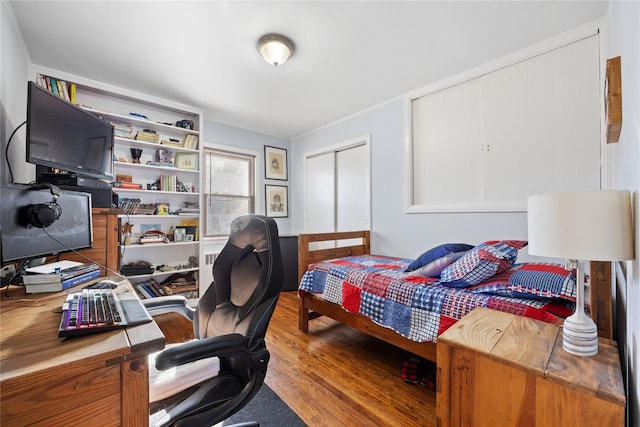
<point x="129" y="185"/>
<point x="147" y="136"/>
<point x="74" y="274"/>
<point x="122" y="130"/>
<point x="152" y="238"/>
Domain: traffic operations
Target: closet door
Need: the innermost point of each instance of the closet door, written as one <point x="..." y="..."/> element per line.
<point x="320" y="199"/>
<point x="352" y="189"/>
<point x="337" y="189"/>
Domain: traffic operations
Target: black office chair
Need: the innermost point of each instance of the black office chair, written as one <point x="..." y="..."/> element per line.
<point x="229" y="323"/>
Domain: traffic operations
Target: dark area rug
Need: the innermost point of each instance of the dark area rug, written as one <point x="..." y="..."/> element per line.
<point x="267" y="409"/>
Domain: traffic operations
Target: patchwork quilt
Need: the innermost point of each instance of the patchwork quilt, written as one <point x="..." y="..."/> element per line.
<point x="417" y="307"/>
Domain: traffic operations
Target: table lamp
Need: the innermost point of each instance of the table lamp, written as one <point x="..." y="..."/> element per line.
<point x="584" y="225"/>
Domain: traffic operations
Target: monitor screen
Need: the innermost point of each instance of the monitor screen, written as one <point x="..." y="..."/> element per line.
<point x="61" y="135"/>
<point x="21" y="240"/>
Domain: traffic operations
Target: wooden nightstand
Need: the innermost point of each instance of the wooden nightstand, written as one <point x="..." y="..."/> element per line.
<point x="500" y="369"/>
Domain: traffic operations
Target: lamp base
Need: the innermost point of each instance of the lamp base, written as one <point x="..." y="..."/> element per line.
<point x="580" y="335"/>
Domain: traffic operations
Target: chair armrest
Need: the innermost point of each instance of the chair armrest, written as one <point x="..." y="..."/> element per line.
<point x="223" y="345"/>
<point x="169" y="304"/>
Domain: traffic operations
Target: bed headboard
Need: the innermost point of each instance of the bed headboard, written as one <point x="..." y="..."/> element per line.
<point x="338" y="248"/>
<point x="600" y="272"/>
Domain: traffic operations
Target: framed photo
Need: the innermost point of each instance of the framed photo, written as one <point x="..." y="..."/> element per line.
<point x="180" y="234"/>
<point x="275" y="163"/>
<point x="276" y="201"/>
<point x="187" y="161"/>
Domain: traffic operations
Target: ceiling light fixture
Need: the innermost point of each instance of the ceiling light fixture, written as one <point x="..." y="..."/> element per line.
<point x="275" y="48"/>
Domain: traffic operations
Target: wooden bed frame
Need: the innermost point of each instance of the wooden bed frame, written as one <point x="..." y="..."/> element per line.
<point x="311" y="307"/>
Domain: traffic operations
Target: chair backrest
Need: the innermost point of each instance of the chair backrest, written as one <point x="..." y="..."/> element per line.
<point x="247" y="280"/>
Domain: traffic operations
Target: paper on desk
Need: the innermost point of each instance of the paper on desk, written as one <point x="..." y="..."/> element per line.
<point x="51" y="267"/>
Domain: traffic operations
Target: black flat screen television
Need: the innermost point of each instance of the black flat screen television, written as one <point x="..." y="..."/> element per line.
<point x="22" y="241"/>
<point x="63" y="136"/>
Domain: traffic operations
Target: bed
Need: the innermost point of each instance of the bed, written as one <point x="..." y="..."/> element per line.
<point x="356" y="246"/>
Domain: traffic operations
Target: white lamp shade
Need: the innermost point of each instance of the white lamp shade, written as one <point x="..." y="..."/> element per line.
<point x="275" y="49"/>
<point x="584" y="225"/>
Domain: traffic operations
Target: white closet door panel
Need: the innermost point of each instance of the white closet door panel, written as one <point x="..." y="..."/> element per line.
<point x="530" y="126"/>
<point x="352" y="189"/>
<point x="447" y="135"/>
<point x="555" y="145"/>
<point x="320" y="194"/>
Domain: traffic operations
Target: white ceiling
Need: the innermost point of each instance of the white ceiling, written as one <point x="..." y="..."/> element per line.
<point x="349" y="55"/>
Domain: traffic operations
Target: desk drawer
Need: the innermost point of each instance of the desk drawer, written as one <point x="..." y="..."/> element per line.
<point x="89" y="398"/>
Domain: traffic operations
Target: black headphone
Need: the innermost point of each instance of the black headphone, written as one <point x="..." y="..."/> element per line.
<point x="44" y="214"/>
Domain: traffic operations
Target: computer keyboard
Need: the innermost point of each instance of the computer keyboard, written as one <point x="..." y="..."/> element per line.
<point x="96" y="310"/>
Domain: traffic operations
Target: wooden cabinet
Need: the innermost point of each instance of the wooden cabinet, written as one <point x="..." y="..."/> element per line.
<point x="496" y="368"/>
<point x="104" y="251"/>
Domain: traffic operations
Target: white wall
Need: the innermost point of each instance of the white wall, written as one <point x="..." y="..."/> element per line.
<point x="398" y="233"/>
<point x="219" y="134"/>
<point x="13" y="95"/>
<point x="625" y="42"/>
<point x="394" y="231"/>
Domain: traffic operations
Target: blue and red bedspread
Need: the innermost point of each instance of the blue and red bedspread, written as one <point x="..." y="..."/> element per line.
<point x="416" y="307"/>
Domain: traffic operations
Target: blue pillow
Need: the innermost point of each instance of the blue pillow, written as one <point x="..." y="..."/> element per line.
<point x="436" y="253"/>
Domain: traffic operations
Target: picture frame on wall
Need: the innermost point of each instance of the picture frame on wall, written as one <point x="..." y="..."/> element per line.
<point x="276" y="201"/>
<point x="275" y="163"/>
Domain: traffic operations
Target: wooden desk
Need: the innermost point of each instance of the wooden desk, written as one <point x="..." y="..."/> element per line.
<point x="99" y="379"/>
<point x="496" y="368"/>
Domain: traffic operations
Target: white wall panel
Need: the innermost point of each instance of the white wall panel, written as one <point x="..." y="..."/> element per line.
<point x="487" y="142"/>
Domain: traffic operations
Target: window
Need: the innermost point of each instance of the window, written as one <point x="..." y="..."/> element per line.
<point x="229" y="189"/>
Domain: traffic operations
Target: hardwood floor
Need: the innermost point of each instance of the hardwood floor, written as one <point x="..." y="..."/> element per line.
<point x="335" y="375"/>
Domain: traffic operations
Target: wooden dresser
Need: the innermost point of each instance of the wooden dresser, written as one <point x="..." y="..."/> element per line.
<point x="501" y="369"/>
<point x="105" y="241"/>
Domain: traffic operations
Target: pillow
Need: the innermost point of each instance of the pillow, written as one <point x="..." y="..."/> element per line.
<point x="531" y="280"/>
<point x="484" y="261"/>
<point x="436" y="253"/>
<point x="435" y="267"/>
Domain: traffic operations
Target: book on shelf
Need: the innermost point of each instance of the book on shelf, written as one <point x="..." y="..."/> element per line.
<point x="150" y="288"/>
<point x="143" y="291"/>
<point x="128" y="185"/>
<point x="128" y="205"/>
<point x="168" y="182"/>
<point x="72" y="93"/>
<point x="54" y="86"/>
<point x="152" y="238"/>
<point x="61" y="88"/>
<point x="172" y="143"/>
